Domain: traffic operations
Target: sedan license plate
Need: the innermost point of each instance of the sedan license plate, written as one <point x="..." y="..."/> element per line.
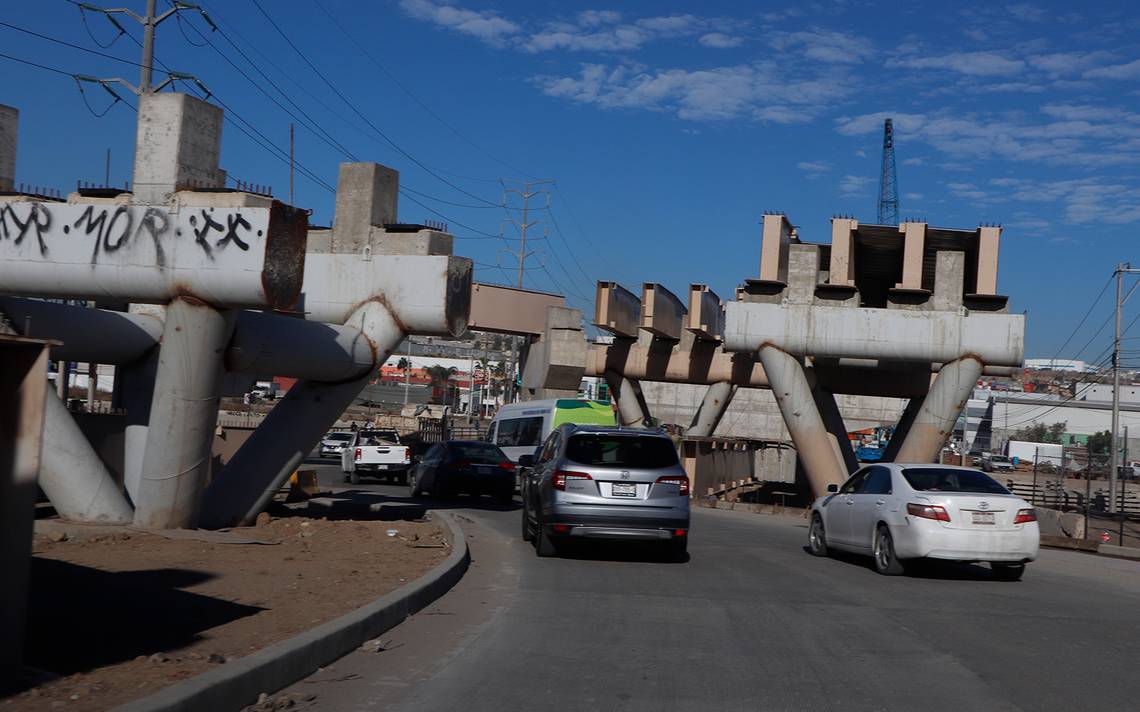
<point x="624" y="489"/>
<point x="984" y="518"/>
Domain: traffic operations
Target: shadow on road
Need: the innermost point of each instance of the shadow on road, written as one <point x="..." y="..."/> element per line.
<point x="923" y="568"/>
<point x="626" y="551"/>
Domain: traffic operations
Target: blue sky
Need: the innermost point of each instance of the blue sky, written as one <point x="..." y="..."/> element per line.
<point x="668" y="126"/>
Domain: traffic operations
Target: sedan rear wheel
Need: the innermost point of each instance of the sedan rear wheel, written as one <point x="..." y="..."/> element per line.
<point x="817" y="537"/>
<point x="413" y="486"/>
<point x="886" y="562"/>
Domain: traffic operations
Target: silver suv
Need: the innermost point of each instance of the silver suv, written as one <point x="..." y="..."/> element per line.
<point x="602" y="482"/>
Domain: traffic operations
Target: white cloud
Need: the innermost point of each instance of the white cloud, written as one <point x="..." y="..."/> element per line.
<point x="486" y="26"/>
<point x="1065" y="63"/>
<point x="824" y="45"/>
<point x="976" y="64"/>
<point x="915" y="161"/>
<point x="1027" y="12"/>
<point x="913" y="196"/>
<point x="1084" y="200"/>
<point x="814" y="169"/>
<point x="855" y="186"/>
<point x="600" y="33"/>
<point x="719" y="40"/>
<point x="1064" y="141"/>
<point x="1131" y="70"/>
<point x="762" y="91"/>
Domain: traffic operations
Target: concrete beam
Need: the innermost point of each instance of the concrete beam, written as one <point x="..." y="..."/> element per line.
<point x="88" y="335"/>
<point x="285" y="346"/>
<point x="617" y="310"/>
<point x="506" y="310"/>
<point x="702" y="362"/>
<point x="775" y="238"/>
<point x="988" y="238"/>
<point x="72" y="475"/>
<point x="838" y="332"/>
<point x="234" y="256"/>
<point x="841" y="271"/>
<point x="662" y="312"/>
<point x="914" y="246"/>
<point x="706" y="313"/>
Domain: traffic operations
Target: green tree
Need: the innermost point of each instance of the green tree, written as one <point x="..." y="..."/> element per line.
<point x="1040" y="433"/>
<point x="1099" y="443"/>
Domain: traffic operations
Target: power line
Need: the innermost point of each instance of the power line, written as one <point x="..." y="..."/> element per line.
<point x="356" y="111"/>
<point x="37" y="66"/>
<point x="1083" y="318"/>
<point x="415" y="98"/>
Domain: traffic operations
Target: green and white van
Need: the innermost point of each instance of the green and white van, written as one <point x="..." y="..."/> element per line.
<point x="518" y="428"/>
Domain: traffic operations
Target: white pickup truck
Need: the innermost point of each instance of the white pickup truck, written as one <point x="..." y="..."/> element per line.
<point x="375" y="452"/>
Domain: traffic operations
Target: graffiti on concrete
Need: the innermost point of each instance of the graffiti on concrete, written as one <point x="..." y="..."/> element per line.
<point x="37" y="222"/>
<point x="145" y="234"/>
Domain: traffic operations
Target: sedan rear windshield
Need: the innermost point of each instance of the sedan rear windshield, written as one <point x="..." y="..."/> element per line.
<point x="934" y="479"/>
<point x="477" y="452"/>
<point x="631" y="451"/>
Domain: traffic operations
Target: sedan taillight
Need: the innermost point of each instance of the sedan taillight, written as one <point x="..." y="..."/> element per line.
<point x="508" y="466"/>
<point x="561" y="477"/>
<point x="680" y="480"/>
<point x="356" y="455"/>
<point x="928" y="511"/>
<point x="1025" y="515"/>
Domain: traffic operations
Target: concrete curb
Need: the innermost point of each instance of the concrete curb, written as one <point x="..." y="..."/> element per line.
<point x="235" y="685"/>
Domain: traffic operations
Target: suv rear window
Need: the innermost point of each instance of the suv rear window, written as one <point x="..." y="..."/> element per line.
<point x="632" y="451"/>
<point x="935" y="479"/>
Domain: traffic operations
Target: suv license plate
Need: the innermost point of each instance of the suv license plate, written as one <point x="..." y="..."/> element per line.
<point x="624" y="489"/>
<point x="986" y="518"/>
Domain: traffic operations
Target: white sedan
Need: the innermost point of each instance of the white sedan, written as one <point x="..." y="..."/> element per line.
<point x="898" y="512"/>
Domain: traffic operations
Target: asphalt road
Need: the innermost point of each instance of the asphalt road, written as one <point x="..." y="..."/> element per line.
<point x="750" y="622"/>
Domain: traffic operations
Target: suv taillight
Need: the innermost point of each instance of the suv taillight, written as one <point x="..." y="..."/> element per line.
<point x="356" y="455"/>
<point x="561" y="476"/>
<point x="1025" y="515"/>
<point x="928" y="511"/>
<point x="679" y="480"/>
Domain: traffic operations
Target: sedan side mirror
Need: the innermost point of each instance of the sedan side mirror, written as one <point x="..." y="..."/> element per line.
<point x="526" y="461"/>
<point x="832" y="488"/>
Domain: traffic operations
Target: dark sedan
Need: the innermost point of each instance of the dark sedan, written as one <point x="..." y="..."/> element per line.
<point x="464" y="467"/>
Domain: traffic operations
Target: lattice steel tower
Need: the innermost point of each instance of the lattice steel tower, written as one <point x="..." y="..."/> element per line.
<point x="888" y="181"/>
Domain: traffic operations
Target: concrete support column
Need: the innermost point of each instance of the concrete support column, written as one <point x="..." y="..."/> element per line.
<point x="935" y="419"/>
<point x="633" y="411"/>
<point x="842" y="267"/>
<point x="836" y="430"/>
<point x="988" y="238"/>
<point x="716" y="401"/>
<point x="135" y="385"/>
<point x="901" y="430"/>
<point x="290" y="432"/>
<point x="816" y="451"/>
<point x="72" y="475"/>
<point x="183" y="415"/>
<point x="914" y="245"/>
<point x="776" y="236"/>
<point x="9" y="128"/>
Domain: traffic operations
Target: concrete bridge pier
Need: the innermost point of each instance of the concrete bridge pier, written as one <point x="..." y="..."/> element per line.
<point x="633" y="411"/>
<point x="890" y="453"/>
<point x="935" y="418"/>
<point x="817" y="450"/>
<point x="183" y="415"/>
<point x="72" y="475"/>
<point x="135" y="392"/>
<point x="292" y="429"/>
<point x="716" y="401"/>
<point x="836" y="430"/>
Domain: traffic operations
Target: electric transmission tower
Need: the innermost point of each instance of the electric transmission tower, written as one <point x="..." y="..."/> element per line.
<point x="888" y="181"/>
<point x="150" y="22"/>
<point x="525" y="191"/>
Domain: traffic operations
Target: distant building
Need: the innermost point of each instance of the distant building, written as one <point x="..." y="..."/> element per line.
<point x="1058" y="364"/>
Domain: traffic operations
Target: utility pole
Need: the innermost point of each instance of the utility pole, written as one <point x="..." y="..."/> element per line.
<point x="408" y="369"/>
<point x="150" y="22"/>
<point x="1113" y="459"/>
<point x="526" y="191"/>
